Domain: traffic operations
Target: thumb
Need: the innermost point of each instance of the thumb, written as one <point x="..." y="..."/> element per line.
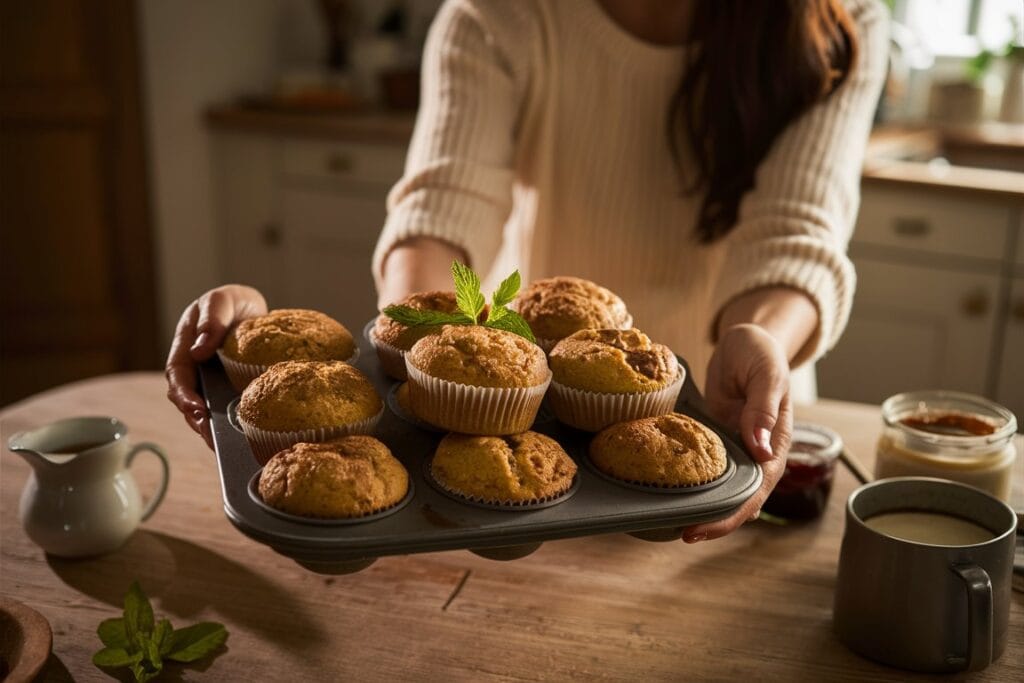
<point x="764" y="395"/>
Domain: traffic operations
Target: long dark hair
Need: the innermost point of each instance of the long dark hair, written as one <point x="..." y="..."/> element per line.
<point x="759" y="64"/>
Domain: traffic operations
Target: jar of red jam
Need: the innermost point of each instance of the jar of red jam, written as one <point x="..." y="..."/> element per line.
<point x="950" y="435"/>
<point x="803" y="490"/>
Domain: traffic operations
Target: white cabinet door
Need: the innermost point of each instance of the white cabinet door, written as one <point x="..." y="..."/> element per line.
<point x="250" y="235"/>
<point x="330" y="238"/>
<point x="912" y="328"/>
<point x="1010" y="381"/>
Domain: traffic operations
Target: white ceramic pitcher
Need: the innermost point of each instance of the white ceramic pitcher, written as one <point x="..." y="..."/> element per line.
<point x="80" y="499"/>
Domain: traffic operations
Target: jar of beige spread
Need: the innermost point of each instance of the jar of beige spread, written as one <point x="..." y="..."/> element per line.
<point x="950" y="435"/>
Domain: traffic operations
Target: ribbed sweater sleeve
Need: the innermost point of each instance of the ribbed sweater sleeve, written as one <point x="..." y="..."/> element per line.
<point x="795" y="224"/>
<point x="458" y="178"/>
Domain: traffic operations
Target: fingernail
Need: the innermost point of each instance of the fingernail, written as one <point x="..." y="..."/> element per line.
<point x="754" y="517"/>
<point x="695" y="538"/>
<point x="201" y="340"/>
<point x="764" y="440"/>
<point x="198" y="415"/>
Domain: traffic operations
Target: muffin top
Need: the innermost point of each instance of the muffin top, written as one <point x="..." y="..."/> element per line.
<point x="613" y="361"/>
<point x="670" y="450"/>
<point x="558" y="306"/>
<point x="394" y="333"/>
<point x="480" y="356"/>
<point x="308" y="394"/>
<point x="348" y="477"/>
<point x="517" y="468"/>
<point x="288" y="334"/>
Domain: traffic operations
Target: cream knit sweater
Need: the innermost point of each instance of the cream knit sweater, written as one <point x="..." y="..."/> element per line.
<point x="540" y="145"/>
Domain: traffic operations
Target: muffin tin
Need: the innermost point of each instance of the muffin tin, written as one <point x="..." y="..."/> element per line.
<point x="429" y="520"/>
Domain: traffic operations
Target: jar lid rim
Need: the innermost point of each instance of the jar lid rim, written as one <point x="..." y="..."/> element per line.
<point x="898" y="407"/>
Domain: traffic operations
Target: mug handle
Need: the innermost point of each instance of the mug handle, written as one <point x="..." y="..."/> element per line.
<point x="162" y="489"/>
<point x="979" y="615"/>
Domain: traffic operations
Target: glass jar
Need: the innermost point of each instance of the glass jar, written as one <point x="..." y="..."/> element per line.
<point x="803" y="491"/>
<point x="950" y="435"/>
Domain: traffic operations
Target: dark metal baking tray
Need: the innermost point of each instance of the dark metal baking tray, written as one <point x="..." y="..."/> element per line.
<point x="432" y="521"/>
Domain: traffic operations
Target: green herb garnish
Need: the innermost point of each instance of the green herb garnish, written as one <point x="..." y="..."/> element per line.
<point x="470" y="301"/>
<point x="137" y="641"/>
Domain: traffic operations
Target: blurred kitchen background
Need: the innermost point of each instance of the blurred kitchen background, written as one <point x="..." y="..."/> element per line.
<point x="152" y="149"/>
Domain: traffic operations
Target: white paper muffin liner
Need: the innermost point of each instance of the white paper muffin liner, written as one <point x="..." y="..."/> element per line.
<point x="392" y="358"/>
<point x="265" y="443"/>
<point x="473" y="410"/>
<point x="593" y="411"/>
<point x="549" y="344"/>
<point x="240" y="374"/>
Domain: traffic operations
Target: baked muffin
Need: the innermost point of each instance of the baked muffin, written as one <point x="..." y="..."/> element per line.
<point x="606" y="376"/>
<point x="515" y="469"/>
<point x="352" y="476"/>
<point x="476" y="380"/>
<point x="255" y="344"/>
<point x="392" y="340"/>
<point x="312" y="401"/>
<point x="558" y="306"/>
<point x="671" y="450"/>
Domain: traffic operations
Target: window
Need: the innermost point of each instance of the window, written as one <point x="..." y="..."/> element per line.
<point x="962" y="27"/>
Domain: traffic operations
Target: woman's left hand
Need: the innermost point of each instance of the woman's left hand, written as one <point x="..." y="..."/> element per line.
<point x="748" y="389"/>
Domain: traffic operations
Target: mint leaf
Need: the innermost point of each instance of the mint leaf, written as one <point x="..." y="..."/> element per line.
<point x="142" y="673"/>
<point x="152" y="652"/>
<point x="412" y="317"/>
<point x="196" y="641"/>
<point x="496" y="313"/>
<point x="138" y="613"/>
<point x="506" y="291"/>
<point x="511" y="321"/>
<point x="467" y="291"/>
<point x="112" y="634"/>
<point x="161" y="636"/>
<point x="115" y="657"/>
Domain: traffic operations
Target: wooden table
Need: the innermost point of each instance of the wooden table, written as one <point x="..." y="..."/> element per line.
<point x="755" y="605"/>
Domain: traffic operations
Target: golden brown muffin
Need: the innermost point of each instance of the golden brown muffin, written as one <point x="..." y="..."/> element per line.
<point x="613" y="361"/>
<point x="297" y="395"/>
<point x="558" y="306"/>
<point x="670" y="450"/>
<point x="394" y="333"/>
<point x="352" y="476"/>
<point x="480" y="356"/>
<point x="518" y="468"/>
<point x="288" y="334"/>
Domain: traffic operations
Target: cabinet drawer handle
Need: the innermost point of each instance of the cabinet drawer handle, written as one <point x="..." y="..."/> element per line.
<point x="1018" y="310"/>
<point x="911" y="227"/>
<point x="340" y="162"/>
<point x="271" y="235"/>
<point x="975" y="304"/>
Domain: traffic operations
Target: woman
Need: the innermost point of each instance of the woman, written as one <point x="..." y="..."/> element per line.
<point x="700" y="159"/>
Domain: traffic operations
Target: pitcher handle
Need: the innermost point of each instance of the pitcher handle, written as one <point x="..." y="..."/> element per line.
<point x="162" y="489"/>
<point x="979" y="615"/>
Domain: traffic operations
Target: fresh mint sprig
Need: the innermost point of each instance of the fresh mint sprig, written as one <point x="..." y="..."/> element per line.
<point x="137" y="641"/>
<point x="471" y="303"/>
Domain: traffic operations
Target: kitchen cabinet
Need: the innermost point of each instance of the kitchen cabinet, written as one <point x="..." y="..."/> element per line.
<point x="940" y="299"/>
<point x="299" y="217"/>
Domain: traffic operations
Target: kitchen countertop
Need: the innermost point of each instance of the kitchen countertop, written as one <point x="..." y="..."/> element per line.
<point x="756" y="604"/>
<point x="883" y="166"/>
<point x="888" y="159"/>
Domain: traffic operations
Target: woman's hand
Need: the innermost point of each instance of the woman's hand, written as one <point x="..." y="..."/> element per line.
<point x="747" y="386"/>
<point x="748" y="389"/>
<point x="201" y="330"/>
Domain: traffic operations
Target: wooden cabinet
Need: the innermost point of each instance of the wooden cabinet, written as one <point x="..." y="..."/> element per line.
<point x="299" y="218"/>
<point x="938" y="305"/>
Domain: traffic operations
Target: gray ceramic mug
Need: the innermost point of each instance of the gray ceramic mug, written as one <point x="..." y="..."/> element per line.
<point x="920" y="606"/>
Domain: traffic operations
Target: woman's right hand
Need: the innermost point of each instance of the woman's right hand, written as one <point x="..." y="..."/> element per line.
<point x="200" y="332"/>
